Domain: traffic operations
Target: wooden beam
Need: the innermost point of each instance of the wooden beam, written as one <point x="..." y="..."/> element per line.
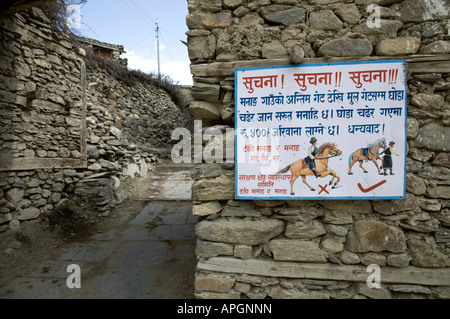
<point x="26" y="164"/>
<point x="416" y="64"/>
<point x="408" y="275"/>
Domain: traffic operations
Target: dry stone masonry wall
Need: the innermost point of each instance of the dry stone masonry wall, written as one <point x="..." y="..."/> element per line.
<point x="321" y="249"/>
<point x="70" y="133"/>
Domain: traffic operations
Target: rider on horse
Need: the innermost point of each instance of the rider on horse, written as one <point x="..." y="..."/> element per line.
<point x="312" y="152"/>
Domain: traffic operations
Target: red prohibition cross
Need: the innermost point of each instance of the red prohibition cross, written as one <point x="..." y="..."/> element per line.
<point x="323" y="189"/>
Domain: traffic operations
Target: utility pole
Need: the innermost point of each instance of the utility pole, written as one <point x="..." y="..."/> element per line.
<point x="157" y="41"/>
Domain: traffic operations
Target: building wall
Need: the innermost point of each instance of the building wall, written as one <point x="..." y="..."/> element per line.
<point x="70" y="131"/>
<point x="322" y="249"/>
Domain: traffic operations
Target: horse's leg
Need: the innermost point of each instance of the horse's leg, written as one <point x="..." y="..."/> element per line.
<point x="332" y="173"/>
<point x="361" y="165"/>
<point x="293" y="179"/>
<point x="351" y="165"/>
<point x="309" y="186"/>
<point x="335" y="176"/>
<point x="376" y="165"/>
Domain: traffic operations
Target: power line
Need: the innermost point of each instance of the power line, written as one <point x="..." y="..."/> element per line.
<point x="132" y="9"/>
<point x="154" y="21"/>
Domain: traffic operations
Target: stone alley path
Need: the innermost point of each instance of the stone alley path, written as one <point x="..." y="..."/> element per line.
<point x="150" y="254"/>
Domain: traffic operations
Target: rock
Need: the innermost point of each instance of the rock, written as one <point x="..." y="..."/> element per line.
<point x="206" y="209"/>
<point x="357" y="207"/>
<point x="206" y="92"/>
<point x="209" y="20"/>
<point x="423" y="10"/>
<point x="412" y="128"/>
<point x="206" y="171"/>
<point x="442" y="236"/>
<point x="296" y="54"/>
<point x="331" y="246"/>
<point x="337" y="218"/>
<point x="398" y="46"/>
<point x="92" y="152"/>
<point x="42" y="63"/>
<point x="108" y="165"/>
<point x="237" y="231"/>
<point x="28" y="214"/>
<point x="433" y="137"/>
<point x="296" y="250"/>
<point x="375" y="236"/>
<point x="377" y="2"/>
<point x="202" y="47"/>
<point x="5" y="218"/>
<point x="204" y="110"/>
<point x="220" y="188"/>
<point x="274" y="50"/>
<point x="243" y="252"/>
<point x="349" y="258"/>
<point x="349" y="13"/>
<point x="346" y="47"/>
<point x="415" y="185"/>
<point x="373" y="259"/>
<point x="410" y="289"/>
<point x="214" y="283"/>
<point x="242" y="209"/>
<point x="428" y="101"/>
<point x="15" y="195"/>
<point x="401" y="260"/>
<point x="269" y="203"/>
<point x="387" y="27"/>
<point x="283" y="14"/>
<point x="439" y="192"/>
<point x="381" y="293"/>
<point x="116" y="132"/>
<point x="308" y="230"/>
<point x="437" y="47"/>
<point x="206" y="249"/>
<point x="280" y="293"/>
<point x="337" y="230"/>
<point x="324" y="20"/>
<point x="395" y="206"/>
<point x="442" y="159"/>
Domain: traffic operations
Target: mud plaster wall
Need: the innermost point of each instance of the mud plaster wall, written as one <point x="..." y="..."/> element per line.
<point x="321" y="249"/>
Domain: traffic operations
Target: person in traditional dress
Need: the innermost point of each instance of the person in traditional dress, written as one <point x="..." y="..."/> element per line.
<point x="387" y="159"/>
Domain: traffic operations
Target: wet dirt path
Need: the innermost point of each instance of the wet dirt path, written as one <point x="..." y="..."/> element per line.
<point x="150" y="254"/>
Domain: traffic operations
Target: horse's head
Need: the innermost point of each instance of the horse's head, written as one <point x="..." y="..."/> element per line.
<point x="334" y="151"/>
<point x="383" y="143"/>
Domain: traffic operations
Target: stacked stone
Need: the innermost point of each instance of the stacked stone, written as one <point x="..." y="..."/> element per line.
<point x="129" y="126"/>
<point x="62" y="142"/>
<point x="41" y="116"/>
<point x="321" y="249"/>
<point x="41" y="92"/>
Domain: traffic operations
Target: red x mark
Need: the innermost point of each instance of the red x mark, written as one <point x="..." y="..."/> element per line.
<point x="323" y="189"/>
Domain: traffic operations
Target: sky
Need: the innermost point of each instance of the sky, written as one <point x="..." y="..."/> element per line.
<point x="132" y="23"/>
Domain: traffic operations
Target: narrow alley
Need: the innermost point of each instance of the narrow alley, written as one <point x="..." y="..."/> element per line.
<point x="148" y="253"/>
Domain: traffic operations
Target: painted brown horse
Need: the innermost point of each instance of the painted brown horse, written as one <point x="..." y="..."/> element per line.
<point x="371" y="153"/>
<point x="300" y="168"/>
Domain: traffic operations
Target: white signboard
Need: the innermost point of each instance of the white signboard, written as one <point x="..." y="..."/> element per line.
<point x="322" y="131"/>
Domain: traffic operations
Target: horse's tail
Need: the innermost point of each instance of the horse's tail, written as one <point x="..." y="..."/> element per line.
<point x="350" y="160"/>
<point x="285" y="170"/>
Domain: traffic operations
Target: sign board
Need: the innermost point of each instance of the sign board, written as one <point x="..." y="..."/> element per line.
<point x="355" y="111"/>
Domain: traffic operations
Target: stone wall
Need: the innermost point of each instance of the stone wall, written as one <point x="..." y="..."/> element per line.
<point x="42" y="111"/>
<point x="70" y="132"/>
<point x="321" y="249"/>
